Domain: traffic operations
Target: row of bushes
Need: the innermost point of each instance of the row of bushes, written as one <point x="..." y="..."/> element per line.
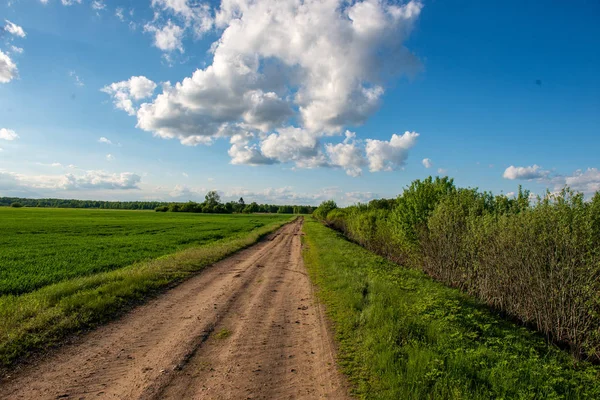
<point x="536" y="261"/>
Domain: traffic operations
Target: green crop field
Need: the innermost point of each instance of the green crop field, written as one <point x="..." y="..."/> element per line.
<point x="39" y="247"/>
<point x="63" y="271"/>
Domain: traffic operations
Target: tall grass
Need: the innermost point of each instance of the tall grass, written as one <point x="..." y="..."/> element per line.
<point x="538" y="262"/>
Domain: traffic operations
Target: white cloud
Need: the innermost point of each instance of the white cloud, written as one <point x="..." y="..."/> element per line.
<point x="587" y="181"/>
<point x="525" y="173"/>
<point x="76" y="78"/>
<point x="442" y="171"/>
<point x="185" y="175"/>
<point x="98" y="5"/>
<point x="16" y="50"/>
<point x="8" y="134"/>
<point x="104" y="140"/>
<point x="87" y="180"/>
<point x="347" y="155"/>
<point x="70" y="2"/>
<point x="8" y="69"/>
<point x="110" y="157"/>
<point x="387" y="156"/>
<point x="196" y="16"/>
<point x="125" y="92"/>
<point x="14" y="29"/>
<point x="119" y="14"/>
<point x="243" y="153"/>
<point x="167" y="38"/>
<point x="427" y="163"/>
<point x="324" y="62"/>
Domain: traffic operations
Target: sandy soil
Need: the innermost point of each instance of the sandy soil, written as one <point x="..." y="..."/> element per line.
<point x="246" y="328"/>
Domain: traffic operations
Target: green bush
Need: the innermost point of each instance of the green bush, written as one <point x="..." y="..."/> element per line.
<point x="16" y="205"/>
<point x="538" y="262"/>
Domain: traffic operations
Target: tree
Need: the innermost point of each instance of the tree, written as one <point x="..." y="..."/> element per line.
<point x="324" y="209"/>
<point x="212" y="198"/>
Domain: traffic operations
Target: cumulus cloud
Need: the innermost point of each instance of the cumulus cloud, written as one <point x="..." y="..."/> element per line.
<point x="124" y="93"/>
<point x="110" y="157"/>
<point x="168" y="37"/>
<point x="196" y="16"/>
<point x="14" y="29"/>
<point x="347" y="155"/>
<point x="243" y="153"/>
<point x="8" y="134"/>
<point x="389" y="155"/>
<point x="319" y="65"/>
<point x="427" y="163"/>
<point x="104" y="140"/>
<point x="525" y="173"/>
<point x="8" y="69"/>
<point x="16" y="50"/>
<point x="70" y="2"/>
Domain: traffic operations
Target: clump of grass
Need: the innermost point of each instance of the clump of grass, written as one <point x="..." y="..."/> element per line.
<point x="42" y="318"/>
<point x="404" y="336"/>
<point x="223" y="334"/>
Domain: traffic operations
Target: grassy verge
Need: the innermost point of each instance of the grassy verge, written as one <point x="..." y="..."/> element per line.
<point x="37" y="320"/>
<point x="405" y="336"/>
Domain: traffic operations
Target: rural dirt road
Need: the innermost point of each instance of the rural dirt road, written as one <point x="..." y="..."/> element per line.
<point x="246" y="328"/>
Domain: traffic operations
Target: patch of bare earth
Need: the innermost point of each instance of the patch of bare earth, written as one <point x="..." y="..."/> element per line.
<point x="246" y="328"/>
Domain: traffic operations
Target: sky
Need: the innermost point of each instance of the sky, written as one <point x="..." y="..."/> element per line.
<point x="290" y="101"/>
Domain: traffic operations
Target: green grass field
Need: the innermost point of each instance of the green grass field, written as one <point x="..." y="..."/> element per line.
<point x="63" y="271"/>
<point x="404" y="336"/>
<point x="43" y="246"/>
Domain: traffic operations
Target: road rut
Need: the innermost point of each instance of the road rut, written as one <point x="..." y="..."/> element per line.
<point x="248" y="327"/>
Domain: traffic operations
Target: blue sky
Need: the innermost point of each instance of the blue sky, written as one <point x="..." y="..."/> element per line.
<point x="494" y="94"/>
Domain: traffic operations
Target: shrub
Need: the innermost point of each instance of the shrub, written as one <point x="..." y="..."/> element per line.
<point x="162" y="209"/>
<point x="539" y="263"/>
<point x="16" y="205"/>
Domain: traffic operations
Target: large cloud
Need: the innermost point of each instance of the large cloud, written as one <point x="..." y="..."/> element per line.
<point x="8" y="69"/>
<point x="320" y="65"/>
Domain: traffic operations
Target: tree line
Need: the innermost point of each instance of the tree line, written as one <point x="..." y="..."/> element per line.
<point x="536" y="261"/>
<point x="211" y="204"/>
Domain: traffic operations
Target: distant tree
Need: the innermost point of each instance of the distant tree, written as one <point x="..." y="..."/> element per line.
<point x="162" y="209"/>
<point x="251" y="208"/>
<point x="241" y="202"/>
<point x="212" y="198"/>
<point x="16" y="205"/>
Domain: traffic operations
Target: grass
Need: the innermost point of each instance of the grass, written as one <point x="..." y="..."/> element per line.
<point x="223" y="334"/>
<point x="404" y="336"/>
<point x="39" y="247"/>
<point x="34" y="321"/>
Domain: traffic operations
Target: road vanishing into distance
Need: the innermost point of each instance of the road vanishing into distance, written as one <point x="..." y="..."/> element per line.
<point x="247" y="327"/>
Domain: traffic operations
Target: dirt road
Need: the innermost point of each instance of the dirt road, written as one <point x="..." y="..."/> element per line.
<point x="246" y="328"/>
